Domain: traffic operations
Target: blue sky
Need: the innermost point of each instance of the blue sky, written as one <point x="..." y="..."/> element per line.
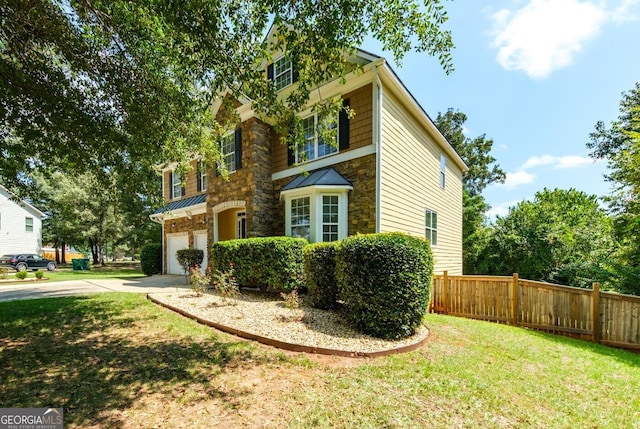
<point x="535" y="76"/>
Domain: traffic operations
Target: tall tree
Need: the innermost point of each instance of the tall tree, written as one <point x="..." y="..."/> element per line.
<point x="620" y="146"/>
<point x="104" y="86"/>
<point x="483" y="170"/>
<point x="562" y="236"/>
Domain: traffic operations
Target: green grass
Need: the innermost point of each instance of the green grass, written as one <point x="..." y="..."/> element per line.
<point x="116" y="360"/>
<point x="111" y="270"/>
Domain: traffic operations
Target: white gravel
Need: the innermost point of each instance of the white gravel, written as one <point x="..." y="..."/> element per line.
<point x="268" y="317"/>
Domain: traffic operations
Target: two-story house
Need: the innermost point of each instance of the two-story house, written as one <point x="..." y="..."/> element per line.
<point x="390" y="170"/>
<point x="20" y="226"/>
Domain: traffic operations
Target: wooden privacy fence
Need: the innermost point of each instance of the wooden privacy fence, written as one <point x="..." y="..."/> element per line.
<point x="608" y="318"/>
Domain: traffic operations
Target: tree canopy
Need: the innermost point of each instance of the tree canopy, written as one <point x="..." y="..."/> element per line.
<point x="118" y="86"/>
<point x="562" y="236"/>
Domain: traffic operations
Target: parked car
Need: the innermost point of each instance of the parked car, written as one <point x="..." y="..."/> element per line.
<point x="27" y="261"/>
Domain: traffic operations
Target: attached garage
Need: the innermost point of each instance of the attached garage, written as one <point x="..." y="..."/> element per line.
<point x="175" y="243"/>
<point x="200" y="242"/>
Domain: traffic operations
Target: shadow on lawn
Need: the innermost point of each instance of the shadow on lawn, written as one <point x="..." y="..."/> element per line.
<point x="92" y="356"/>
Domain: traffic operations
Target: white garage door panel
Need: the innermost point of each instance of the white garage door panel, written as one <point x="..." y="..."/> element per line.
<point x="200" y="242"/>
<point x="173" y="245"/>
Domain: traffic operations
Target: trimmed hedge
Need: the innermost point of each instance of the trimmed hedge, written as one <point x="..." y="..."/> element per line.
<point x="320" y="273"/>
<point x="274" y="264"/>
<point x="151" y="258"/>
<point x="189" y="258"/>
<point x="384" y="281"/>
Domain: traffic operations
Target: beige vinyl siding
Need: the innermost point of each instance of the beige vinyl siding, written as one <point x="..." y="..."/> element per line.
<point x="411" y="183"/>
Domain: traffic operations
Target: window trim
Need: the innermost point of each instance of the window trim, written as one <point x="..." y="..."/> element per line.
<point x="176" y="181"/>
<point x="231" y="139"/>
<point x="315" y="194"/>
<point x="289" y="70"/>
<point x="201" y="177"/>
<point x="443" y="170"/>
<point x="335" y="148"/>
<point x="429" y="230"/>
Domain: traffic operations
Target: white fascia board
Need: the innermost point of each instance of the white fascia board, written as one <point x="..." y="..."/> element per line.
<point x="182" y="212"/>
<point x="315" y="189"/>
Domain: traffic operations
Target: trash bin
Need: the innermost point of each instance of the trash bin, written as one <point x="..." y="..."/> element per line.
<point x="80" y="264"/>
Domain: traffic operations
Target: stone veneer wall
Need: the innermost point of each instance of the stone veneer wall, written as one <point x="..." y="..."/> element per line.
<point x="361" y="172"/>
<point x="251" y="183"/>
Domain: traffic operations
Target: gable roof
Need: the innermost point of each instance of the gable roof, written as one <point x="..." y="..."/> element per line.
<point x="22" y="203"/>
<point x="325" y="177"/>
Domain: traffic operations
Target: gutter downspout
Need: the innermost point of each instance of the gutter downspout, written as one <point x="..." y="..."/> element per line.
<point x="377" y="137"/>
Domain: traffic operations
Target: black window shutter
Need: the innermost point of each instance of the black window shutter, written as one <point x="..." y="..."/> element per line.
<point x="343" y="127"/>
<point x="238" y="143"/>
<point x="294" y="73"/>
<point x="291" y="155"/>
<point x="270" y="71"/>
<point x="199" y="177"/>
<point x="182" y="190"/>
<point x="171" y="196"/>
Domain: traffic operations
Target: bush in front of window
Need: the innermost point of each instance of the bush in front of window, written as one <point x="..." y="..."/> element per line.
<point x="273" y="264"/>
<point x="151" y="258"/>
<point x="320" y="274"/>
<point x="384" y="281"/>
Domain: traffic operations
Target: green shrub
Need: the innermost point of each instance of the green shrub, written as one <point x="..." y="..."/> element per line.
<point x="273" y="264"/>
<point x="21" y="275"/>
<point x="384" y="281"/>
<point x="320" y="274"/>
<point x="151" y="258"/>
<point x="189" y="258"/>
<point x="39" y="274"/>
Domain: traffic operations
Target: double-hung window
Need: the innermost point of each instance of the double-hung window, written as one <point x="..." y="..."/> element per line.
<point x="202" y="176"/>
<point x="28" y="224"/>
<point x="443" y="169"/>
<point x="228" y="152"/>
<point x="282" y="73"/>
<point x="176" y="185"/>
<point x="431" y="226"/>
<point x="315" y="146"/>
<point x="330" y="217"/>
<point x="301" y="218"/>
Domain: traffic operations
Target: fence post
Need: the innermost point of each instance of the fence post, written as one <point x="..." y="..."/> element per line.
<point x="445" y="286"/>
<point x="515" y="304"/>
<point x="595" y="313"/>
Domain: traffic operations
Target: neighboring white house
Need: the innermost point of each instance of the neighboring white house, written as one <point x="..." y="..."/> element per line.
<point x="20" y="226"/>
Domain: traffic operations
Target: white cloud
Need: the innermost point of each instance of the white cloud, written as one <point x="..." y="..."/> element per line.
<point x="624" y="12"/>
<point x="558" y="162"/>
<point x="518" y="178"/>
<point x="546" y="35"/>
<point x="502" y="209"/>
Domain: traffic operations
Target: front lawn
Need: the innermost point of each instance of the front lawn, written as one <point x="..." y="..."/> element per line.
<point x="116" y="360"/>
<point x="65" y="272"/>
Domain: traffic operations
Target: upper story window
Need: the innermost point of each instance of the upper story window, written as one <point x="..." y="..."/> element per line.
<point x="231" y="151"/>
<point x="28" y="224"/>
<point x="443" y="169"/>
<point x="176" y="185"/>
<point x="431" y="226"/>
<point x="281" y="73"/>
<point x="202" y="176"/>
<point x="314" y="145"/>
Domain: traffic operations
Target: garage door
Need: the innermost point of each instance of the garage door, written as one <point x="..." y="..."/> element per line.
<point x="173" y="245"/>
<point x="200" y="242"/>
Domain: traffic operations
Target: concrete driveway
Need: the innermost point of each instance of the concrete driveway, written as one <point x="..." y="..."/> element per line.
<point x="31" y="290"/>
